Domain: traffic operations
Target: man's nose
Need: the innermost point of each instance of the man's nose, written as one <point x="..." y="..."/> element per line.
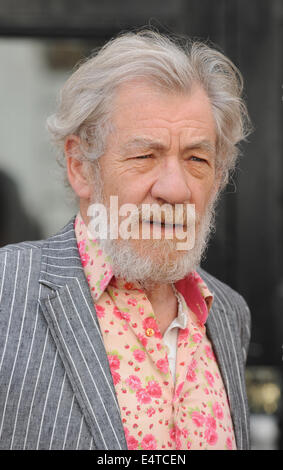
<point x="171" y="185"/>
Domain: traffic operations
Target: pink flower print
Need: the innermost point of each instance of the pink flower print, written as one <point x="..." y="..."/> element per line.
<point x="149" y="442"/>
<point x="114" y="361"/>
<point x="81" y="247"/>
<point x="217" y="410"/>
<point x="127" y="432"/>
<point x="210" y="422"/>
<point x="162" y="365"/>
<point x="175" y="433"/>
<point x="100" y="311"/>
<point x="141" y="310"/>
<point x="154" y="389"/>
<point x="178" y="443"/>
<point x="189" y="445"/>
<point x="150" y="412"/>
<point x="84" y="259"/>
<point x="209" y="377"/>
<point x="197" y="418"/>
<point x="149" y="322"/>
<point x="132" y="443"/>
<point x="193" y="364"/>
<point x="209" y="353"/>
<point x="139" y="355"/>
<point x="142" y="339"/>
<point x="197" y="338"/>
<point x="183" y="334"/>
<point x="105" y="280"/>
<point x="229" y="443"/>
<point x="191" y="375"/>
<point x="178" y="390"/>
<point x="116" y="377"/>
<point x="125" y="316"/>
<point x="134" y="382"/>
<point x="185" y="433"/>
<point x="117" y="313"/>
<point x="133" y="302"/>
<point x="211" y="436"/>
<point x="143" y="396"/>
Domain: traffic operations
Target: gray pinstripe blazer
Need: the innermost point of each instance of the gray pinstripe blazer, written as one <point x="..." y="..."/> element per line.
<point x="56" y="389"/>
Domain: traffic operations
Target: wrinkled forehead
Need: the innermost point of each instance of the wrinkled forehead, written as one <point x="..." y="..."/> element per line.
<point x="161" y="140"/>
<point x="141" y="113"/>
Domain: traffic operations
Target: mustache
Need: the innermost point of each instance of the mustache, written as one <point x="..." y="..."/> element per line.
<point x="166" y="214"/>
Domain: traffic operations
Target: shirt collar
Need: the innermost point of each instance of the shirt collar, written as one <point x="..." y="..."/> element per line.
<point x="196" y="295"/>
<point x="97" y="265"/>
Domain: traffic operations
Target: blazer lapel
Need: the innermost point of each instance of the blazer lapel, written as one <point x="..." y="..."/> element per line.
<point x="68" y="308"/>
<point x="227" y="349"/>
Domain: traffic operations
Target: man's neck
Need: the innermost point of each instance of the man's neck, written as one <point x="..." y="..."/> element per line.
<point x="164" y="304"/>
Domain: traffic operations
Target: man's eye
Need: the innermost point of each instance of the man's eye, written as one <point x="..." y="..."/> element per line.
<point x="197" y="159"/>
<point x="142" y="157"/>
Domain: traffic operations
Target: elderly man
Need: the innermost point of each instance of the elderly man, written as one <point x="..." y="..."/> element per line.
<point x="124" y="342"/>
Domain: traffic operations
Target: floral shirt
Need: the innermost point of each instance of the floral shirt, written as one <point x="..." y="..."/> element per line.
<point x="191" y="412"/>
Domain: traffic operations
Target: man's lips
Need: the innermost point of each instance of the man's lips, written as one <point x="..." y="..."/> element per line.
<point x="162" y="224"/>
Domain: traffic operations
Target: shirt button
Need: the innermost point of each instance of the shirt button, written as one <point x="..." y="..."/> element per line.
<point x="149" y="332"/>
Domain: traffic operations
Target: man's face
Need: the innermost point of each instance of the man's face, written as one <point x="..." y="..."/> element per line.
<point x="162" y="151"/>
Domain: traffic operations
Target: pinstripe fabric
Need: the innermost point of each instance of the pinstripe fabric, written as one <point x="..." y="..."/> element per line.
<point x="56" y="389"/>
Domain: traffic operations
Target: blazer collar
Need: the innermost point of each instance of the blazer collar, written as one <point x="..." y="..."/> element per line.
<point x="68" y="307"/>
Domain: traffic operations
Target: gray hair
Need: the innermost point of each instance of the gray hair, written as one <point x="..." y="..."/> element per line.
<point x="172" y="64"/>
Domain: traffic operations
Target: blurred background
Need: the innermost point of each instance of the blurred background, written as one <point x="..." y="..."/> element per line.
<point x="41" y="41"/>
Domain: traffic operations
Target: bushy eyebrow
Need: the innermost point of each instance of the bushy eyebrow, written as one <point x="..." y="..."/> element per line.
<point x="203" y="145"/>
<point x="145" y="142"/>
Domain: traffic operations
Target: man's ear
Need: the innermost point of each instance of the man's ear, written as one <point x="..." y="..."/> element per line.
<point x="77" y="167"/>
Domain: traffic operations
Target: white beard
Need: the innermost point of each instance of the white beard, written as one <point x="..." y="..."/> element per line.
<point x="158" y="261"/>
<point x="155" y="261"/>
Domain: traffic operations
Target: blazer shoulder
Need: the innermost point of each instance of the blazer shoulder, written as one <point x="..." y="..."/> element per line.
<point x="22" y="246"/>
<point x="15" y="256"/>
<point x="20" y="265"/>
